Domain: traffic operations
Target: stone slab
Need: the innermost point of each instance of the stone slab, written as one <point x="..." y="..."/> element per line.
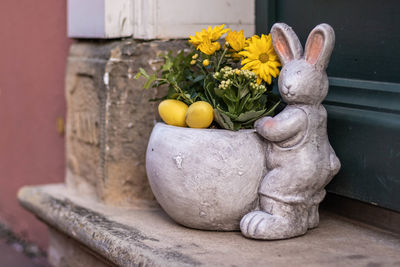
<point x="142" y="235"/>
<point x="66" y="251"/>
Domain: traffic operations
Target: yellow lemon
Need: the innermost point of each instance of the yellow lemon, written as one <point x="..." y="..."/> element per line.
<point x="199" y="115"/>
<point x="173" y="112"/>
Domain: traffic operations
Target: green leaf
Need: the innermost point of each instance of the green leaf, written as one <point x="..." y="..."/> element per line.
<point x="171" y="91"/>
<point x="230" y="115"/>
<point x="271" y="111"/>
<point x="167" y="65"/>
<point x="203" y="98"/>
<point x="137" y="75"/>
<point x="231" y="105"/>
<point x="249" y="105"/>
<point x="237" y="126"/>
<point x="268" y="112"/>
<point x="198" y="78"/>
<point x="210" y="94"/>
<point x="223" y="120"/>
<point x="174" y="96"/>
<point x="159" y="83"/>
<point x="243" y="103"/>
<point x="250" y="115"/>
<point x="219" y="92"/>
<point x="150" y="80"/>
<point x="244" y="91"/>
<point x="229" y="98"/>
<point x="194" y="95"/>
<point x="144" y="73"/>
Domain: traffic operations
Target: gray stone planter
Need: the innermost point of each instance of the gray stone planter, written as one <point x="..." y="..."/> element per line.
<point x="205" y="178"/>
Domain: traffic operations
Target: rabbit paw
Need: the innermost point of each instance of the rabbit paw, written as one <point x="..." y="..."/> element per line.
<point x="313" y="217"/>
<point x="253" y="223"/>
<point x="262" y="225"/>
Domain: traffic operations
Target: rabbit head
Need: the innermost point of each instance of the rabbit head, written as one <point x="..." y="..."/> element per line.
<point x="303" y="79"/>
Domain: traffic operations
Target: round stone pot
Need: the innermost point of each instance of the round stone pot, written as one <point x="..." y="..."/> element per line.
<point x="205" y="178"/>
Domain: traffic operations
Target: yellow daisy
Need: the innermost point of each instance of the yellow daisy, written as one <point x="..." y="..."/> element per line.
<point x="236" y="40"/>
<point x="205" y="40"/>
<point x="260" y="58"/>
<point x="216" y="32"/>
<point x="208" y="47"/>
<point x="251" y="39"/>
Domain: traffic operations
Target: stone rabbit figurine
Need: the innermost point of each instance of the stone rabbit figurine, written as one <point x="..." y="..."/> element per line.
<point x="300" y="159"/>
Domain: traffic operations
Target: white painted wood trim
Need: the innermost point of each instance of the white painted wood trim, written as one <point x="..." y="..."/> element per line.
<point x="181" y="18"/>
<point x="118" y="18"/>
<point x="85" y="19"/>
<point x="145" y="19"/>
<point x="100" y="18"/>
<point x="156" y="19"/>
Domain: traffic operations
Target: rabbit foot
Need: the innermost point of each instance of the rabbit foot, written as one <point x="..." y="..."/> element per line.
<point x="262" y="225"/>
<point x="313" y="217"/>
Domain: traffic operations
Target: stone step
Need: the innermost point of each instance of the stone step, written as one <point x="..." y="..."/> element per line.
<point x="145" y="235"/>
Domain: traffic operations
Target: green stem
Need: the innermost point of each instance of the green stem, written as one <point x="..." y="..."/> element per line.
<point x="178" y="89"/>
<point x="220" y="59"/>
<point x="182" y="93"/>
<point x="203" y="69"/>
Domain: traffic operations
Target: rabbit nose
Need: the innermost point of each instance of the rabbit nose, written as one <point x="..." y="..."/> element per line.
<point x="286" y="88"/>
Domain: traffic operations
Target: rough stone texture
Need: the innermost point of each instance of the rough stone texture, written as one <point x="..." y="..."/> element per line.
<point x="109" y="117"/>
<point x="65" y="251"/>
<point x="84" y="94"/>
<point x="146" y="236"/>
<point x="205" y="178"/>
<point x="300" y="159"/>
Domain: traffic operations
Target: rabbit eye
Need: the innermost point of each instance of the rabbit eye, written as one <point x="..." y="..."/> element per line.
<point x="298" y="72"/>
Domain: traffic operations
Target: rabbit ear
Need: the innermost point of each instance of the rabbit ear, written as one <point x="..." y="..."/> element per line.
<point x="286" y="43"/>
<point x="319" y="46"/>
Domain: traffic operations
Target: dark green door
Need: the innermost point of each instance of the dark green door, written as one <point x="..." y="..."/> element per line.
<point x="364" y="98"/>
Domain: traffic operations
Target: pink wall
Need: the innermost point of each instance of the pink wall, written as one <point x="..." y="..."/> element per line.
<point x="33" y="51"/>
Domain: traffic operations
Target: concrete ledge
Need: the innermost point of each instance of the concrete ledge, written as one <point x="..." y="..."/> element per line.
<point x="145" y="235"/>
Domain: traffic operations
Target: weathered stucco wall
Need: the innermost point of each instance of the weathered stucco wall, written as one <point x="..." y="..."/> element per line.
<point x="34" y="48"/>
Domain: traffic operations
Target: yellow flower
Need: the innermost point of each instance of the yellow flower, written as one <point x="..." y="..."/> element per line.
<point x="216" y="32"/>
<point x="197" y="38"/>
<point x="260" y="58"/>
<point x="208" y="47"/>
<point x="251" y="39"/>
<point x="236" y="40"/>
<point x="193" y="62"/>
<point x="206" y="40"/>
<point x="206" y="62"/>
